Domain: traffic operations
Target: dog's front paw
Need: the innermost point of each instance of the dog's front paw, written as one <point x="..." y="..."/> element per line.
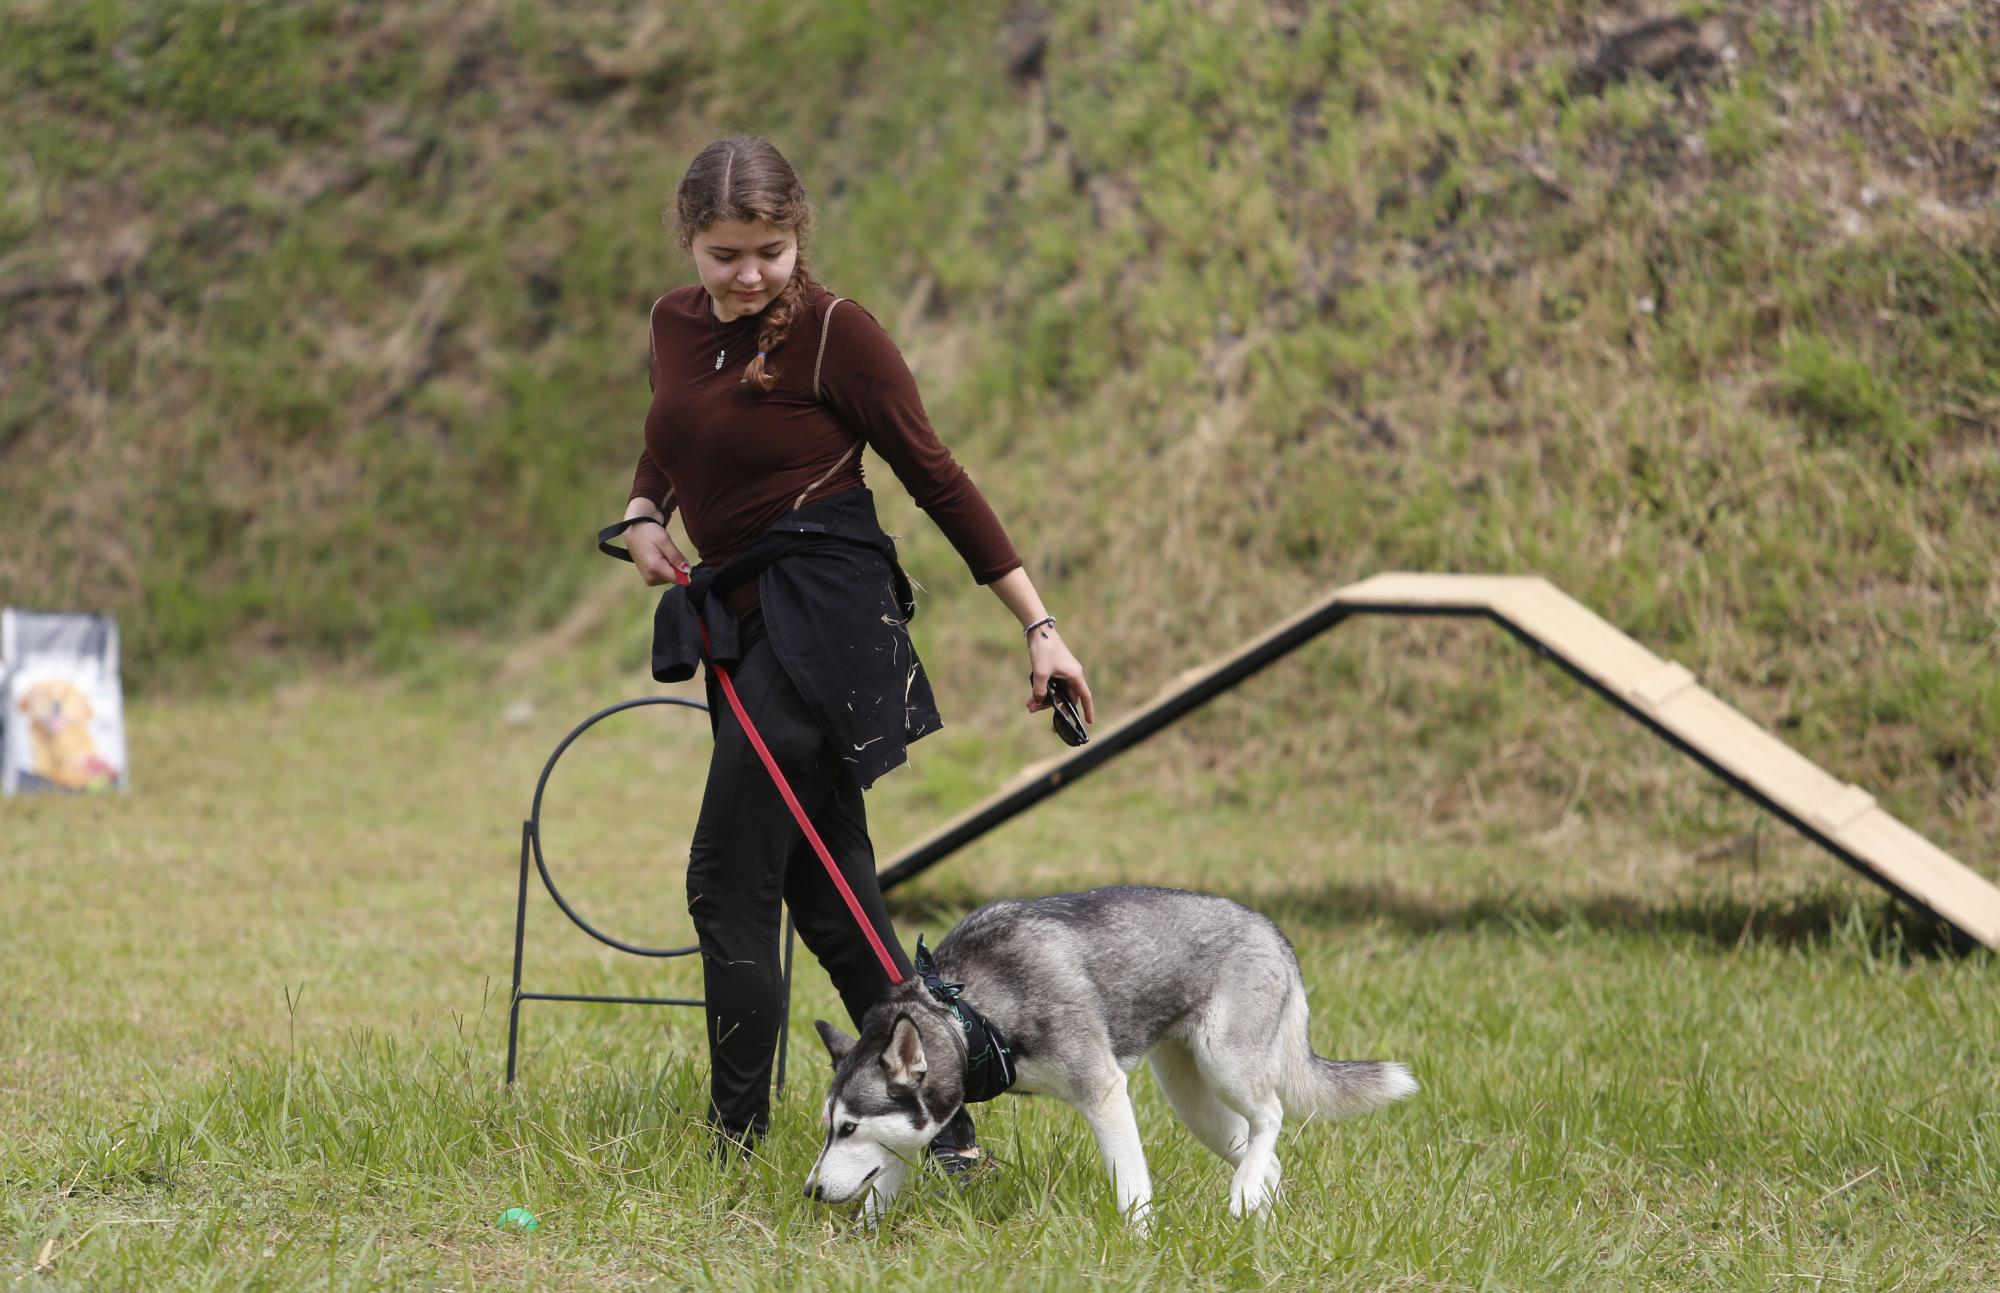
<point x="1252" y="1201"/>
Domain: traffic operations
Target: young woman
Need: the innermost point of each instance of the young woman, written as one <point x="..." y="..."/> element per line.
<point x="765" y="388"/>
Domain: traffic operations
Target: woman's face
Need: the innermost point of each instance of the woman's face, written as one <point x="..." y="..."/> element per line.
<point x="744" y="264"/>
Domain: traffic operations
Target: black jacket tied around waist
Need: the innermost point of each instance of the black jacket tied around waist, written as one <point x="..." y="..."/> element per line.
<point x="836" y="607"/>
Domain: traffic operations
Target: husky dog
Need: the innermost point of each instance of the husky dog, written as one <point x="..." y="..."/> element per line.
<point x="1082" y="986"/>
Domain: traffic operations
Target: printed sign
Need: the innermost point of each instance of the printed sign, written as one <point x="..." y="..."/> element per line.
<point x="62" y="708"/>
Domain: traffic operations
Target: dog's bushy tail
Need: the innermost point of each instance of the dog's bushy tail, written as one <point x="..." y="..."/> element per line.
<point x="1338" y="1088"/>
<point x="1310" y="1086"/>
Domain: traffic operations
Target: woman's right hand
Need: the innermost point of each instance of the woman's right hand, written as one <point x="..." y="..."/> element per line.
<point x="654" y="553"/>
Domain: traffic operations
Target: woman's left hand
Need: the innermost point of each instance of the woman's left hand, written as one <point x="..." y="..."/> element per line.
<point x="1048" y="657"/>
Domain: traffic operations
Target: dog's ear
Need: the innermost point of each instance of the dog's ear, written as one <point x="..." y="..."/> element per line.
<point x="904" y="1057"/>
<point x="838" y="1044"/>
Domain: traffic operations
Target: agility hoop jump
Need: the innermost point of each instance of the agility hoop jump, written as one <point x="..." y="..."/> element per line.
<point x="532" y="856"/>
<point x="531" y="846"/>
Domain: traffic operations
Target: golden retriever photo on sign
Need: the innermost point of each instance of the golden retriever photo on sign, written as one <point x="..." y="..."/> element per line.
<point x="61" y="749"/>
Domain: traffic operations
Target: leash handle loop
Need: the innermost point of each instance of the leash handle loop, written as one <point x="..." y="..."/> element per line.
<point x="612" y="531"/>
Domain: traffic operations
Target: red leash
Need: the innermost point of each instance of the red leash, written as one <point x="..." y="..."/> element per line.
<point x="798" y="813"/>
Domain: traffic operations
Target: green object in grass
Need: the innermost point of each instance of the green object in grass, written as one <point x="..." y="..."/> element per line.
<point x="519" y="1219"/>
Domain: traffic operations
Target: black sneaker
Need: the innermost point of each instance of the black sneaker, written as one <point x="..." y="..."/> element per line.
<point x="956" y="1151"/>
<point x="731" y="1147"/>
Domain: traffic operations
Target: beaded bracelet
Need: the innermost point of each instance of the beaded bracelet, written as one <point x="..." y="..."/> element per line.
<point x="1046" y="619"/>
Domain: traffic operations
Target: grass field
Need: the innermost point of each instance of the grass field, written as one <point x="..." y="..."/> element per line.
<point x="321" y="327"/>
<point x="255" y="1026"/>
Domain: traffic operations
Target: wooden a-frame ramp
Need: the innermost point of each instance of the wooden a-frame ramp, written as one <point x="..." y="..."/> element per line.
<point x="1841" y="817"/>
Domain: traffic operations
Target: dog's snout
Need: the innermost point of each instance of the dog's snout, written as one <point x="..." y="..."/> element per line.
<point x="812" y="1192"/>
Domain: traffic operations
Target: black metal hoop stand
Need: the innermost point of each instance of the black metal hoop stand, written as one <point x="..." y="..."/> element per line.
<point x="531" y="847"/>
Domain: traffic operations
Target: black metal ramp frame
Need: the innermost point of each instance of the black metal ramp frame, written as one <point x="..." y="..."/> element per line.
<point x="1841" y="818"/>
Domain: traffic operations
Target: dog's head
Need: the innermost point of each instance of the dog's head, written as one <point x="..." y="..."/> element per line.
<point x="53" y="705"/>
<point x="894" y="1089"/>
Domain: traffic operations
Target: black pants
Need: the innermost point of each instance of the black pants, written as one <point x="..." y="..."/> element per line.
<point x="748" y="854"/>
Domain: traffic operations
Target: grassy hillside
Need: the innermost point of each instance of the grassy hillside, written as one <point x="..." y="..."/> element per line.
<point x="324" y="324"/>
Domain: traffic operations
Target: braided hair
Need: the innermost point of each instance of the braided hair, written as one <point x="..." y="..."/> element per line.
<point x="744" y="177"/>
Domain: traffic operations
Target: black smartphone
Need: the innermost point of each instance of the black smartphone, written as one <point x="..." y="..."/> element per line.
<point x="1068" y="719"/>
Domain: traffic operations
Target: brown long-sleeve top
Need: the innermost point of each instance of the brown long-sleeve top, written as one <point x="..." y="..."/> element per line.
<point x="734" y="459"/>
